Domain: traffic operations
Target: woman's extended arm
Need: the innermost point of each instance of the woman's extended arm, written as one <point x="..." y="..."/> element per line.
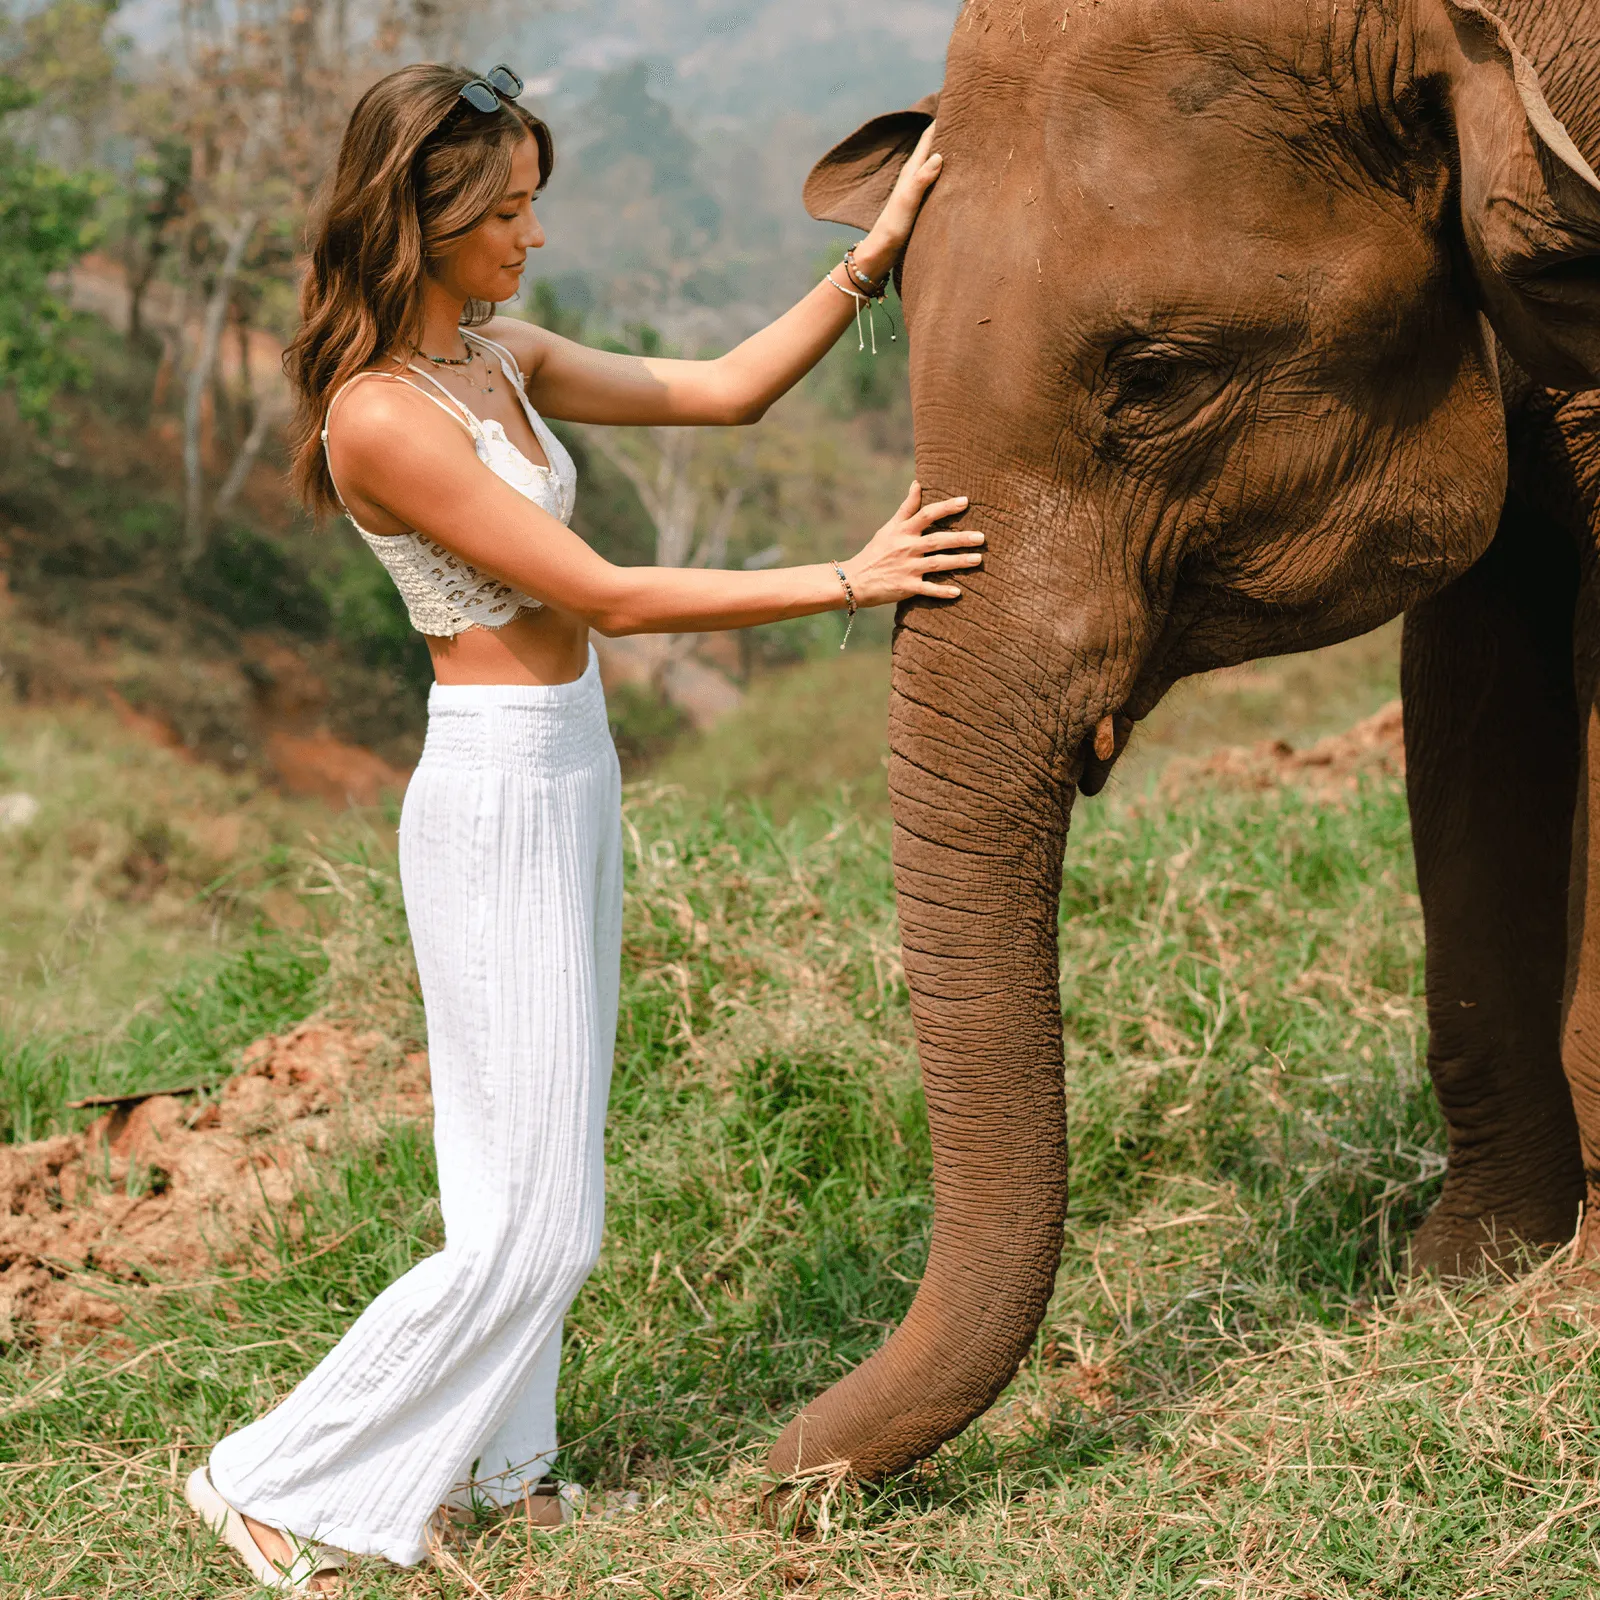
<point x="399" y="453"/>
<point x="579" y="384"/>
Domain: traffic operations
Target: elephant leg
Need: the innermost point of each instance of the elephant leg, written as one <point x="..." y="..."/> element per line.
<point x="1581" y="1031"/>
<point x="1492" y="779"/>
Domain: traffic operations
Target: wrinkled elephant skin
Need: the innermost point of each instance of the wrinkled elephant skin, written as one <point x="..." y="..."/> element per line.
<point x="1247" y="325"/>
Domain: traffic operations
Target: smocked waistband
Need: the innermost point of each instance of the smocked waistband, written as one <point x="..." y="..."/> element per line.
<point x="536" y="730"/>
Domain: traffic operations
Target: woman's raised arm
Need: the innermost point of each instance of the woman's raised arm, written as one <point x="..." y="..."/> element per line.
<point x="580" y="384"/>
<point x="395" y="451"/>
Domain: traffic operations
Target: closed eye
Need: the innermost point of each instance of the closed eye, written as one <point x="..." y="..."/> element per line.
<point x="1153" y="386"/>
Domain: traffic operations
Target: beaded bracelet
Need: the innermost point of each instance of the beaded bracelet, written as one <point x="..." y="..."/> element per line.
<point x="850" y="601"/>
<point x="870" y="301"/>
<point x="875" y="288"/>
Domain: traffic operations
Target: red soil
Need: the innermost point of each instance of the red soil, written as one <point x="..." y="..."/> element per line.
<point x="1330" y="767"/>
<point x="341" y="774"/>
<point x="172" y="1190"/>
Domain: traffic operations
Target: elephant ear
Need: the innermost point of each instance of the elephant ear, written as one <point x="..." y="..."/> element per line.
<point x="852" y="182"/>
<point x="1530" y="205"/>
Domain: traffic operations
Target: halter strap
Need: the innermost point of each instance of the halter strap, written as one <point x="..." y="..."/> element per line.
<point x="508" y="362"/>
<point x="508" y="365"/>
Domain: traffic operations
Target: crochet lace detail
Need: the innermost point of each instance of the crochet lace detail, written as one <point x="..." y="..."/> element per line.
<point x="443" y="594"/>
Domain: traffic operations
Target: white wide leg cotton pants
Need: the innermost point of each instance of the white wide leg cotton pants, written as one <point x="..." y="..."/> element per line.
<point x="511" y="864"/>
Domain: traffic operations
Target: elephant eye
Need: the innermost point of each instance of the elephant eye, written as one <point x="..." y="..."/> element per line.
<point x="1160" y="385"/>
<point x="1145" y="379"/>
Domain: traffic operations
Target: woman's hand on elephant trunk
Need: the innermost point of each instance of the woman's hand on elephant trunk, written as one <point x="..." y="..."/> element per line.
<point x="879" y="253"/>
<point x="907" y="553"/>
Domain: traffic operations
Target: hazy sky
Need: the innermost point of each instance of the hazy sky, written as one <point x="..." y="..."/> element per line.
<point x="733" y="60"/>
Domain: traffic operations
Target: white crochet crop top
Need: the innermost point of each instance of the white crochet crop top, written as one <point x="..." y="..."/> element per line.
<point x="445" y="595"/>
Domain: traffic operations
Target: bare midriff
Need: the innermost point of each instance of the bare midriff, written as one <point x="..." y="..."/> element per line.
<point x="539" y="647"/>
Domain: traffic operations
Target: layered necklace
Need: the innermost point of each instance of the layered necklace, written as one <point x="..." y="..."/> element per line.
<point x="463" y="365"/>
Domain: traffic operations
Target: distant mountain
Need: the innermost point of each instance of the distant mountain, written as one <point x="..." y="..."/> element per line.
<point x="685" y="129"/>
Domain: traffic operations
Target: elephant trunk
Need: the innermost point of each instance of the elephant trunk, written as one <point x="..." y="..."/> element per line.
<point x="981" y="780"/>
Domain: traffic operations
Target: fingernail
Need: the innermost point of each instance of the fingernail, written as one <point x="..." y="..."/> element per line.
<point x="962" y="500"/>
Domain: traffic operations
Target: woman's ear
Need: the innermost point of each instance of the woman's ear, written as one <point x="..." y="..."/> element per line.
<point x="851" y="183"/>
<point x="1530" y="203"/>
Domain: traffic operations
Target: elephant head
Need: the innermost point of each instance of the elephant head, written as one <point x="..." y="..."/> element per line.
<point x="1211" y="312"/>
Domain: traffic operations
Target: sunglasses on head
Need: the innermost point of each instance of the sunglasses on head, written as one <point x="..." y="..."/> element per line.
<point x="486" y="93"/>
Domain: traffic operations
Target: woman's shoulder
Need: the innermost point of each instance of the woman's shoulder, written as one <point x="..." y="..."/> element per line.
<point x="379" y="410"/>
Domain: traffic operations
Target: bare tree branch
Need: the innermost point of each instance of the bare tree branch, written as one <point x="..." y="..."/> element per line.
<point x="668" y="495"/>
<point x="260" y="427"/>
<point x="713" y="551"/>
<point x="604" y="441"/>
<point x="194" y="515"/>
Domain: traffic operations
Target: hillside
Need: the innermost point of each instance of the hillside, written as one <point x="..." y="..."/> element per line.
<point x="275" y="637"/>
<point x="285" y="650"/>
<point x="728" y="63"/>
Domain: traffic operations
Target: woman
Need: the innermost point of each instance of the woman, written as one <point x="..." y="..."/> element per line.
<point x="420" y="418"/>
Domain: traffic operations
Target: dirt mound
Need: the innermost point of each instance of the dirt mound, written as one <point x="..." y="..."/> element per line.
<point x="174" y="1188"/>
<point x="291" y="703"/>
<point x="1332" y="766"/>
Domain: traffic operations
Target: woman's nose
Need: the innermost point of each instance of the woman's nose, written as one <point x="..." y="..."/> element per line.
<point x="533" y="237"/>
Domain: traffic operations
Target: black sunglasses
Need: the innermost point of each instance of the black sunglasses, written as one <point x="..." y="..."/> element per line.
<point x="486" y="93"/>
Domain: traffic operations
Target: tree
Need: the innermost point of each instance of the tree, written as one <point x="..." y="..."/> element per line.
<point x="158" y="198"/>
<point x="632" y="127"/>
<point x="44" y="227"/>
<point x="690" y="481"/>
<point x="628" y="196"/>
<point x="62" y="53"/>
<point x="236" y="130"/>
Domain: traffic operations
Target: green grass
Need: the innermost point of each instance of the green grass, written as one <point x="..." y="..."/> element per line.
<point x="140" y="871"/>
<point x="1229" y="1395"/>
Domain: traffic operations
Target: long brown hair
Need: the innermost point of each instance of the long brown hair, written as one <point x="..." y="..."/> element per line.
<point x="418" y="170"/>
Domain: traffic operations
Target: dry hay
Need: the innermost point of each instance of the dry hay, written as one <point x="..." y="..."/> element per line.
<point x="167" y="1189"/>
<point x="1331" y="767"/>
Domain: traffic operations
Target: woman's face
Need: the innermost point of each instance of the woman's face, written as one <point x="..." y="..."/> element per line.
<point x="487" y="263"/>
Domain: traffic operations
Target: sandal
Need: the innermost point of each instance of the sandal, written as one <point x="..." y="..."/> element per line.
<point x="311" y="1560"/>
<point x="570" y="1498"/>
<point x="576" y="1501"/>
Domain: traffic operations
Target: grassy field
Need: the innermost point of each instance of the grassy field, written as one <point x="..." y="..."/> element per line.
<point x="1232" y="1393"/>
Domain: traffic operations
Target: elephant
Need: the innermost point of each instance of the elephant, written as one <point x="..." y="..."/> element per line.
<point x="1247" y="326"/>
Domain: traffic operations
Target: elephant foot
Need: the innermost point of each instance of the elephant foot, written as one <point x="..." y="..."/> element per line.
<point x="1453" y="1245"/>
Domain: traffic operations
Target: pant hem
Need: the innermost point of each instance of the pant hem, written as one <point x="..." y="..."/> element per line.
<point x="353" y="1541"/>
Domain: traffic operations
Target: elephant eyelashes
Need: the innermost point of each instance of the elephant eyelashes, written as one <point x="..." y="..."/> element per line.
<point x="1151" y="388"/>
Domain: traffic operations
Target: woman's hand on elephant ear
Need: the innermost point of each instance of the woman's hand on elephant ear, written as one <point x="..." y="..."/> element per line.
<point x="883" y="247"/>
